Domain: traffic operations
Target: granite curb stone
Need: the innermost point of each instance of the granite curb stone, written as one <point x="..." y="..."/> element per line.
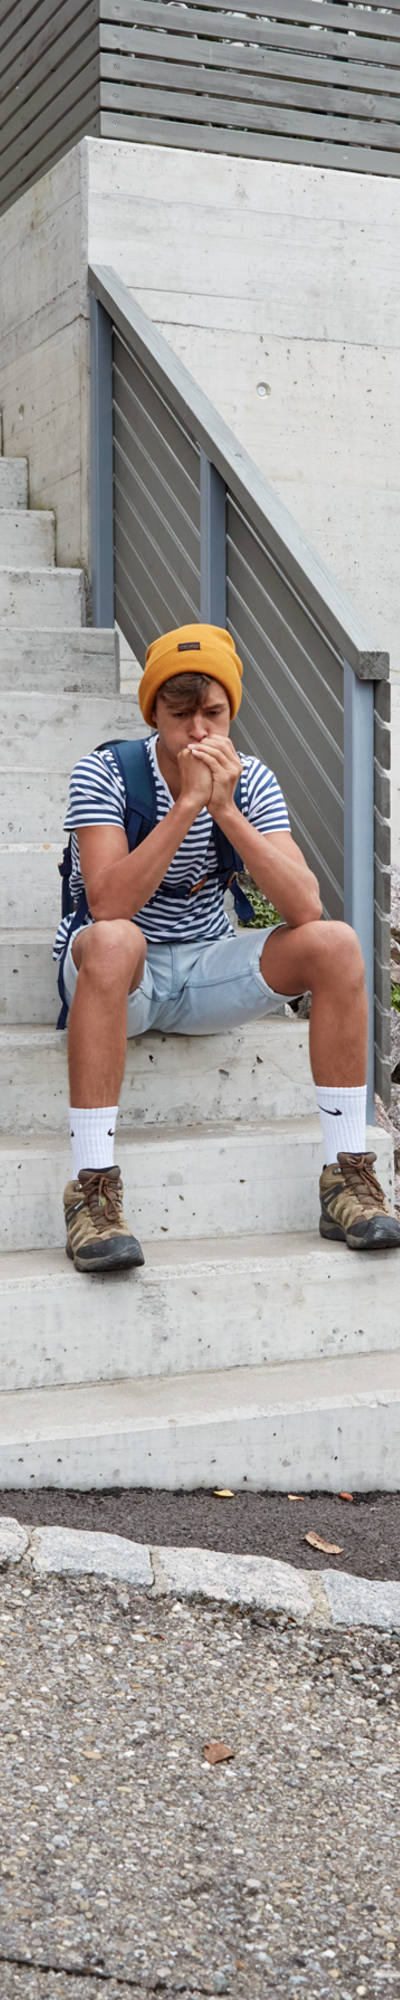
<point x="78" y="1552"/>
<point x="251" y="1580"/>
<point x="359" y="1600"/>
<point x="14" y="1540"/>
<point x="328" y="1597"/>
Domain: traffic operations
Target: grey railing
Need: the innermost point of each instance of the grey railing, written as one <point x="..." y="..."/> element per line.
<point x="184" y="526"/>
<point x="307" y="80"/>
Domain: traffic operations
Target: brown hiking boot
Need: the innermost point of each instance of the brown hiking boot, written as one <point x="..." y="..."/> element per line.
<point x="353" y="1205"/>
<point x="98" y="1237"/>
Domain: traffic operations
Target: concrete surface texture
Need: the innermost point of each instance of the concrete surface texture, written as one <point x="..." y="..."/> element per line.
<point x="263" y="277"/>
<point x="130" y="1862"/>
<point x="239" y="1356"/>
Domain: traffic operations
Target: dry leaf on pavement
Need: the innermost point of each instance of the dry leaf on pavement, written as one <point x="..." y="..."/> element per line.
<point x="217" y="1753"/>
<point x="346" y="1496"/>
<point x="329" y="1548"/>
<point x="223" y="1493"/>
<point x="295" y="1496"/>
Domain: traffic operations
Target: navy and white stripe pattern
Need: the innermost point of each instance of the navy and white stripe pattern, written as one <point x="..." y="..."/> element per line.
<point x="97" y="798"/>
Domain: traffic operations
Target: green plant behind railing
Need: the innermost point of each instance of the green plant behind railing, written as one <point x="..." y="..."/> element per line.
<point x="395" y="995"/>
<point x="264" y="912"/>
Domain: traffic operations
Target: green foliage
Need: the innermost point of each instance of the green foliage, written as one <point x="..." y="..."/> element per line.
<point x="264" y="912"/>
<point x="396" y="996"/>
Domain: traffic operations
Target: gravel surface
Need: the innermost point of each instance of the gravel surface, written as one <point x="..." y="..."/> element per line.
<point x="258" y="1524"/>
<point x="129" y="1863"/>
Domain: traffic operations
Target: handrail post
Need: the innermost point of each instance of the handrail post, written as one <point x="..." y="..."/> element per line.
<point x="212" y="544"/>
<point x="358" y="717"/>
<point x="101" y="465"/>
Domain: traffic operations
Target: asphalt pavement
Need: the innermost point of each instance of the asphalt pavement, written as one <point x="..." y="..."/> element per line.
<point x="130" y="1862"/>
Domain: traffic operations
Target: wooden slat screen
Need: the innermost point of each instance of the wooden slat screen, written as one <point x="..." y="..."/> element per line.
<point x="49" y="86"/>
<point x="318" y="83"/>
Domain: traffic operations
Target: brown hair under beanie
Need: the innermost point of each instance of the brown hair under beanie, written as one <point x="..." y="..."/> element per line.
<point x="202" y="649"/>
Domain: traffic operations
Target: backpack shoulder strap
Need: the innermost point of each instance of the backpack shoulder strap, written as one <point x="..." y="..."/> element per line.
<point x="136" y="771"/>
<point x="230" y="865"/>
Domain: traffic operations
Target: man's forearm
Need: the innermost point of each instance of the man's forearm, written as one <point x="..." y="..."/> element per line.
<point x="288" y="884"/>
<point x="123" y="889"/>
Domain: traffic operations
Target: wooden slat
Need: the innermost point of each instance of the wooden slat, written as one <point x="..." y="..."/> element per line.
<point x="310" y="66"/>
<point x="49" y="147"/>
<point x="10" y="25"/>
<point x="82" y="87"/>
<point x="310" y="152"/>
<point x="151" y="14"/>
<point x="258" y="89"/>
<point x="28" y="27"/>
<point x="22" y="110"/>
<point x="247" y="116"/>
<point x="49" y="50"/>
<point x="313" y="13"/>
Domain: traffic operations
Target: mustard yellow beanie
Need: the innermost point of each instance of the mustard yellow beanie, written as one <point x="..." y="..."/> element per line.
<point x="201" y="649"/>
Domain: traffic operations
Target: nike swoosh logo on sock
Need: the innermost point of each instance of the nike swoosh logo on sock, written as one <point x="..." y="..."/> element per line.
<point x="329" y="1113"/>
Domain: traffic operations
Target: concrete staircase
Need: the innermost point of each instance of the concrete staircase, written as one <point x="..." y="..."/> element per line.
<point x="246" y="1352"/>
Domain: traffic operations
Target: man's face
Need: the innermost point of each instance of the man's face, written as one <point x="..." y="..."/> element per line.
<point x="178" y="730"/>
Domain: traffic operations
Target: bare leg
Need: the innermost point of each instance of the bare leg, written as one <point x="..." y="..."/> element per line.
<point x="111" y="958"/>
<point x="327" y="959"/>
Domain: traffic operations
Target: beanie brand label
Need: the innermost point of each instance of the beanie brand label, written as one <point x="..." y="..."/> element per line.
<point x="189" y="646"/>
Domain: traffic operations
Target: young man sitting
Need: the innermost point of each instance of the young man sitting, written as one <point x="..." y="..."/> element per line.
<point x="155" y="948"/>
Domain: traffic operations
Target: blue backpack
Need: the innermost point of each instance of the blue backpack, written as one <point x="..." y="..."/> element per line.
<point x="139" y="820"/>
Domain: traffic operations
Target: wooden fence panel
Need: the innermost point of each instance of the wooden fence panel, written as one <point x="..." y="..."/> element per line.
<point x="316" y="81"/>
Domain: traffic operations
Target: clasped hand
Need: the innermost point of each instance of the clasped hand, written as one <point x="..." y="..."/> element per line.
<point x="210" y="771"/>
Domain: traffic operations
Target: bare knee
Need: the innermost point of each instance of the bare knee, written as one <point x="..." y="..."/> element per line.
<point x="335" y="955"/>
<point x="111" y="953"/>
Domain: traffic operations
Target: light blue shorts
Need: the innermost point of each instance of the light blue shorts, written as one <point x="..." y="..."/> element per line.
<point x="197" y="989"/>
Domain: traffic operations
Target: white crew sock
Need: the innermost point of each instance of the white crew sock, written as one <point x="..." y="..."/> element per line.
<point x="342" y="1113"/>
<point x="92" y="1137"/>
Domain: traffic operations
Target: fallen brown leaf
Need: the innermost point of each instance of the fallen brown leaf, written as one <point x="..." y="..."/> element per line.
<point x="223" y="1493"/>
<point x="217" y="1753"/>
<point x="295" y="1496"/>
<point x="329" y="1548"/>
<point x="346" y="1496"/>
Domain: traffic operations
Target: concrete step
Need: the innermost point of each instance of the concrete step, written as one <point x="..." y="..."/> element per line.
<point x="181" y="1182"/>
<point x="325" y="1424"/>
<point x="39" y="597"/>
<point x="13" y="482"/>
<point x="257" y="1072"/>
<point x="78" y="660"/>
<point x="53" y="730"/>
<point x="33" y="803"/>
<point x="30" y="884"/>
<point x="29" y="976"/>
<point x="27" y="536"/>
<point x="192" y="1307"/>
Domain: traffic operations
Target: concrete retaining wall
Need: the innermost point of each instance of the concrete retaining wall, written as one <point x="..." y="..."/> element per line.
<point x="278" y="285"/>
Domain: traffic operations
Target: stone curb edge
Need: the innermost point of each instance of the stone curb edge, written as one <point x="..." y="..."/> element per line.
<point x="327" y="1597"/>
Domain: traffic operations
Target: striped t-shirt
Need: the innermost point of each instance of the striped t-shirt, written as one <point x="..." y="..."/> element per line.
<point x="97" y="798"/>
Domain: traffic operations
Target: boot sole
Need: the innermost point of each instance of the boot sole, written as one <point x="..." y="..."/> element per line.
<point x="334" y="1234"/>
<point x="118" y="1258"/>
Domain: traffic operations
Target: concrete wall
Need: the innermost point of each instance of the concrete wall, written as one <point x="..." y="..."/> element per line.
<point x="278" y="285"/>
<point x="44" y="346"/>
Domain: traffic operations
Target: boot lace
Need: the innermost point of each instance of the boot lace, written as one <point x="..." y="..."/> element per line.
<point x="104" y="1200"/>
<point x="360" y="1177"/>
